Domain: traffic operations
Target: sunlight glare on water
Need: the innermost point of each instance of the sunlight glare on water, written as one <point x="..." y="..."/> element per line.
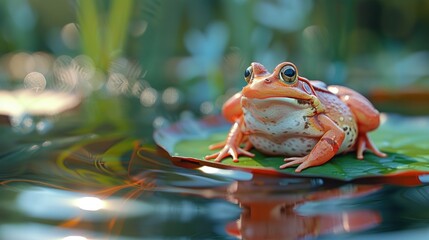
<point x="90" y="203"/>
<point x="75" y="238"/>
<point x="234" y="174"/>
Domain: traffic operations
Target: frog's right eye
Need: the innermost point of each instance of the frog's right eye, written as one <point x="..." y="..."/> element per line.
<point x="289" y="74"/>
<point x="248" y="74"/>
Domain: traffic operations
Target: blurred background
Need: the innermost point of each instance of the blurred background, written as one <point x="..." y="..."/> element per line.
<point x="84" y="83"/>
<point x="158" y="60"/>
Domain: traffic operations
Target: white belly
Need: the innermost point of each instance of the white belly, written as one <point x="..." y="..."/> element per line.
<point x="280" y="126"/>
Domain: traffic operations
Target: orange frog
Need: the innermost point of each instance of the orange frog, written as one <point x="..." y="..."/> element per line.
<point x="282" y="113"/>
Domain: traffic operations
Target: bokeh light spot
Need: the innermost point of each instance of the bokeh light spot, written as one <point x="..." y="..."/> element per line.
<point x="148" y="97"/>
<point x="35" y="81"/>
<point x="138" y="28"/>
<point x="206" y="107"/>
<point x="170" y="96"/>
<point x="159" y="122"/>
<point x="117" y="83"/>
<point x="70" y="35"/>
<point x="20" y="64"/>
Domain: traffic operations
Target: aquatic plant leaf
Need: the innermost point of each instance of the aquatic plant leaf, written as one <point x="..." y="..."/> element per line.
<point x="404" y="139"/>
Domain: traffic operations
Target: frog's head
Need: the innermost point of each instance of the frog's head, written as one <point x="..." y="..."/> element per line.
<point x="283" y="82"/>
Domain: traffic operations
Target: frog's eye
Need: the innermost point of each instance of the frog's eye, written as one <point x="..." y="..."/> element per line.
<point x="248" y="74"/>
<point x="288" y="74"/>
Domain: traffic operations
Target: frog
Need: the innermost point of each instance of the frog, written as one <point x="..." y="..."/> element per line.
<point x="306" y="121"/>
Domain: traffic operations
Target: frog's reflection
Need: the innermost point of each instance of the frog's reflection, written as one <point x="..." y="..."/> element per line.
<point x="292" y="209"/>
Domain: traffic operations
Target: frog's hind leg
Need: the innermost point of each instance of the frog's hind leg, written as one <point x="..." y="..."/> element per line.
<point x="325" y="149"/>
<point x="367" y="118"/>
<point x="363" y="143"/>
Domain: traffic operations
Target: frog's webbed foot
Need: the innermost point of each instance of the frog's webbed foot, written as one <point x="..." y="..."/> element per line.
<point x="229" y="150"/>
<point x="304" y="162"/>
<point x="293" y="161"/>
<point x="363" y="143"/>
<point x="231" y="147"/>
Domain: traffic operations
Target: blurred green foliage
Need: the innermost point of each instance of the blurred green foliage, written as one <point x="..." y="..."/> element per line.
<point x="201" y="47"/>
<point x="103" y="33"/>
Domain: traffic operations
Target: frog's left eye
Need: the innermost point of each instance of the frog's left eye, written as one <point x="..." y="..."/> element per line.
<point x="288" y="74"/>
<point x="248" y="74"/>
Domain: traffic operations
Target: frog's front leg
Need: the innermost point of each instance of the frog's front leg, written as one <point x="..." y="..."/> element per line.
<point x="324" y="150"/>
<point x="231" y="147"/>
<point x="232" y="111"/>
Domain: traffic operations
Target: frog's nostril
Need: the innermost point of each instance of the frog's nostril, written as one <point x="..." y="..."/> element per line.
<point x="267" y="80"/>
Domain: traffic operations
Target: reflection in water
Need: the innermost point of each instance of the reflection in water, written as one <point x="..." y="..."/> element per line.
<point x="47" y="203"/>
<point x="118" y="215"/>
<point x="118" y="180"/>
<point x="234" y="174"/>
<point x="36" y="231"/>
<point x="284" y="209"/>
<point x="113" y="187"/>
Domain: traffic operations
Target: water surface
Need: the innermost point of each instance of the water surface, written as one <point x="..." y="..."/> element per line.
<point x="74" y="183"/>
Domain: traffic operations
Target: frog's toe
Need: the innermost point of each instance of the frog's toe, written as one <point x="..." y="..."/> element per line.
<point x="218" y="156"/>
<point x="303" y="165"/>
<point x="211" y="156"/>
<point x="248" y="146"/>
<point x="227" y="151"/>
<point x="292" y="161"/>
<point x="244" y="152"/>
<point x="235" y="152"/>
<point x="363" y="143"/>
<point x="217" y="145"/>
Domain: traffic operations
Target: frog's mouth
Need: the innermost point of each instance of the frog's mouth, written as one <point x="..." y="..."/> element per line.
<point x="250" y="92"/>
<point x="274" y="109"/>
<point x="284" y="102"/>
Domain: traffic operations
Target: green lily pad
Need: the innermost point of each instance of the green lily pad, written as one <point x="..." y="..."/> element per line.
<point x="404" y="139"/>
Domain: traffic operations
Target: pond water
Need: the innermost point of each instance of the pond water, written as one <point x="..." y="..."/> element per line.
<point x="76" y="183"/>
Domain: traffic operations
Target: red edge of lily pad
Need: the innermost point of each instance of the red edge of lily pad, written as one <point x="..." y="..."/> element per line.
<point x="191" y="129"/>
<point x="405" y="178"/>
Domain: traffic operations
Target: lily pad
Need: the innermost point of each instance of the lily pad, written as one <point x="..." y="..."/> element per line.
<point x="404" y="139"/>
